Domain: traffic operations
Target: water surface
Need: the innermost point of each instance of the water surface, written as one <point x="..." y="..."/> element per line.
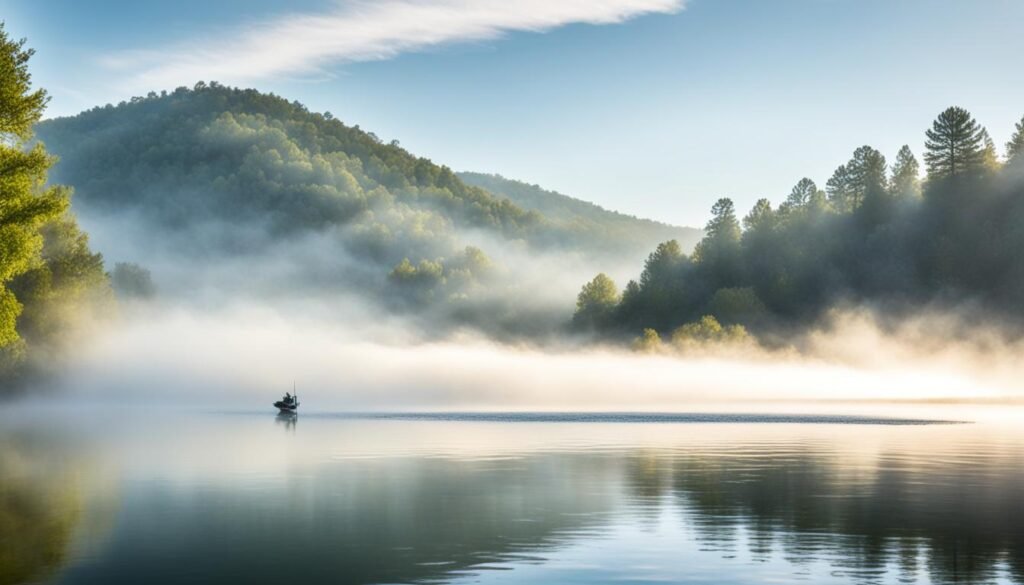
<point x="217" y="497"/>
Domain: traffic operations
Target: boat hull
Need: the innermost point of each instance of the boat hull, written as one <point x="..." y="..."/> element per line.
<point x="286" y="408"/>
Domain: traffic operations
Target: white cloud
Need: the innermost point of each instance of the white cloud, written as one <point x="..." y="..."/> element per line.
<point x="361" y="30"/>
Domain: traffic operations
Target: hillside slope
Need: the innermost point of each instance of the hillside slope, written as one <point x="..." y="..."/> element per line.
<point x="614" y="228"/>
<point x="236" y="190"/>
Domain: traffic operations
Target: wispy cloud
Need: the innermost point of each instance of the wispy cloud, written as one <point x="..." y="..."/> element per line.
<point x="361" y="30"/>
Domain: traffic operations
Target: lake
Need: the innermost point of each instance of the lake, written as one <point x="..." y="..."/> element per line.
<point x="148" y="496"/>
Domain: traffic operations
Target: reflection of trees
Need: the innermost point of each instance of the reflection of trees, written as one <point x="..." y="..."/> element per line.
<point x="40" y="505"/>
<point x="388" y="520"/>
<point x="958" y="519"/>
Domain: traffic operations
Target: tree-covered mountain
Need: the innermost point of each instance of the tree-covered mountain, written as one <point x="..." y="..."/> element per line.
<point x="247" y="187"/>
<point x="607" y="230"/>
<point x="874" y="237"/>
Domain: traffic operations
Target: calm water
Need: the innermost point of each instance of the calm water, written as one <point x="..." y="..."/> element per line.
<point x="251" y="498"/>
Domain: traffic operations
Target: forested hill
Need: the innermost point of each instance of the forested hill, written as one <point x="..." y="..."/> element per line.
<point x="617" y="228"/>
<point x="184" y="181"/>
<point x="214" y="151"/>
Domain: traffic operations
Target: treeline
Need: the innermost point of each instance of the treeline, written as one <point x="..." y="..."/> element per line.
<point x="875" y="234"/>
<point x="50" y="280"/>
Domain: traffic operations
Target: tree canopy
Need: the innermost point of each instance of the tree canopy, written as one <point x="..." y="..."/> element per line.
<point x="47" y="271"/>
<point x="955" y="145"/>
<point x="870" y="239"/>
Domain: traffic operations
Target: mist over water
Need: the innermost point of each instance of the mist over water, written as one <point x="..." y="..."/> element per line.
<point x="344" y="356"/>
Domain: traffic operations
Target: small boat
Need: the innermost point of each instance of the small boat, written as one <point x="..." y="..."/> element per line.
<point x="290" y="402"/>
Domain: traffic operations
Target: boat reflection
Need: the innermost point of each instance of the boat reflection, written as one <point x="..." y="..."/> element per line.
<point x="287" y="419"/>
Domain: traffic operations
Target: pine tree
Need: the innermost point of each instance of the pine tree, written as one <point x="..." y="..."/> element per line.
<point x="723" y="226"/>
<point x="1015" y="147"/>
<point x="905" y="181"/>
<point x="25" y="202"/>
<point x="839" y="189"/>
<point x="955" y="145"/>
<point x="802" y="194"/>
<point x="761" y="216"/>
<point x="989" y="157"/>
<point x="853" y="182"/>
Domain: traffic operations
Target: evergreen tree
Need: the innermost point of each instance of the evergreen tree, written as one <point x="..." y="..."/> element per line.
<point x="718" y="254"/>
<point x="802" y="194"/>
<point x="723" y="227"/>
<point x="989" y="157"/>
<point x="761" y="216"/>
<point x="26" y="204"/>
<point x="1015" y="147"/>
<point x="852" y="183"/>
<point x="905" y="181"/>
<point x="662" y="265"/>
<point x="955" y="145"/>
<point x="839" y="190"/>
<point x="866" y="171"/>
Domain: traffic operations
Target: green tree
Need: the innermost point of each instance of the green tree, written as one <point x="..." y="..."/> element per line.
<point x="648" y="342"/>
<point x="596" y="302"/>
<point x="989" y="157"/>
<point x="802" y="194"/>
<point x="723" y="226"/>
<point x="954" y="146"/>
<point x="132" y="281"/>
<point x="722" y="233"/>
<point x="736" y="305"/>
<point x="905" y="181"/>
<point x="707" y="331"/>
<point x="1015" y="147"/>
<point x="840" y="190"/>
<point x="865" y="176"/>
<point x="65" y="289"/>
<point x="661" y="267"/>
<point x="760" y="218"/>
<point x="719" y="254"/>
<point x="26" y="203"/>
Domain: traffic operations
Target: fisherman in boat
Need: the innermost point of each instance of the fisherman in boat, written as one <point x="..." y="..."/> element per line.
<point x="289" y="404"/>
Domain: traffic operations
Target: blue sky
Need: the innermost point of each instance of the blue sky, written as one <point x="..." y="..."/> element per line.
<point x="652" y="107"/>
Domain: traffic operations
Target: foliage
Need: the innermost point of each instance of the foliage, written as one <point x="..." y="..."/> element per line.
<point x="596" y="301"/>
<point x="736" y="305"/>
<point x="648" y="342"/>
<point x="955" y="145"/>
<point x="25" y="204"/>
<point x="431" y="279"/>
<point x="216" y="172"/>
<point x="48" y="275"/>
<point x="905" y="182"/>
<point x="872" y="239"/>
<point x="132" y="281"/>
<point x="707" y="331"/>
<point x="1015" y="147"/>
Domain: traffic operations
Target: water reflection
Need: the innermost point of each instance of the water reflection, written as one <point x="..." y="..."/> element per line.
<point x="40" y="504"/>
<point x="287" y="419"/>
<point x="221" y="498"/>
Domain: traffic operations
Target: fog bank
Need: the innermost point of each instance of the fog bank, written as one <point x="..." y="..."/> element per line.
<point x="244" y="356"/>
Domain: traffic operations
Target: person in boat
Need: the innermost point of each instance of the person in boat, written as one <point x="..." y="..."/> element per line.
<point x="288" y="398"/>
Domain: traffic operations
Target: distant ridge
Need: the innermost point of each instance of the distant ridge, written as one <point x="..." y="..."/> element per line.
<point x="645" y="233"/>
